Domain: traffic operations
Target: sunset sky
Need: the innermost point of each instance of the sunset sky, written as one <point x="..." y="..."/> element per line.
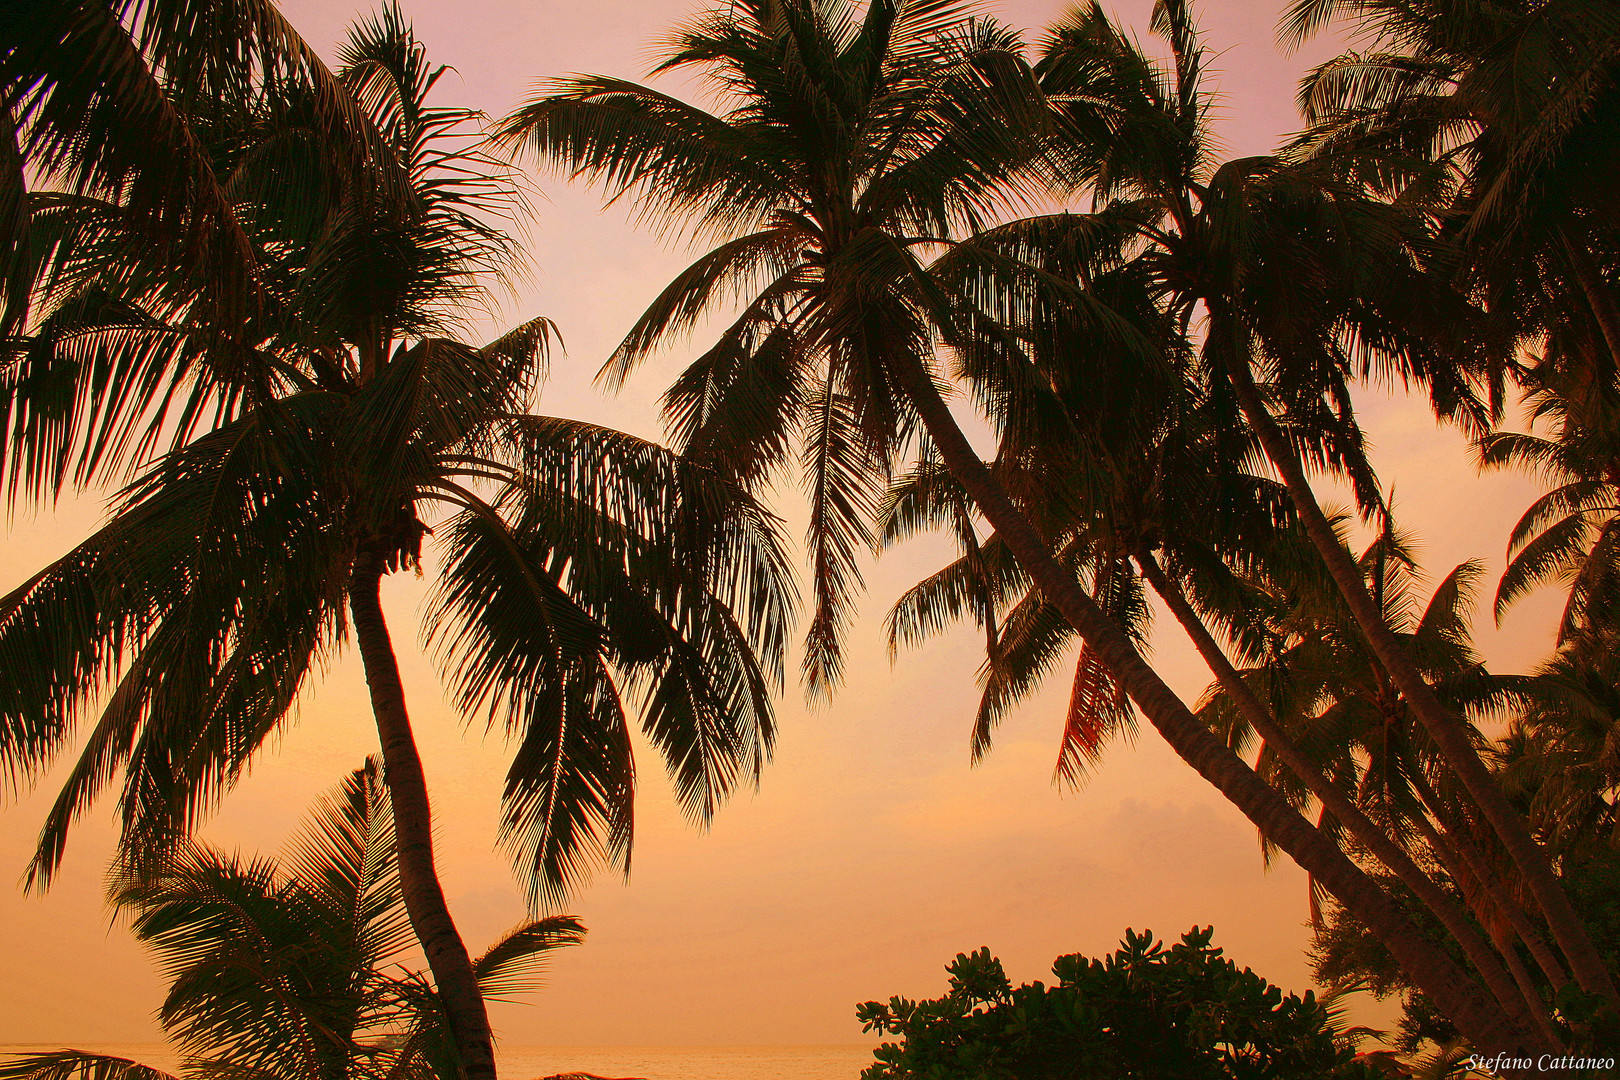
<point x="872" y="852"/>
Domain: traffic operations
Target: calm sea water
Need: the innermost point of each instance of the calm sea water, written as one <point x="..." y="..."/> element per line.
<point x="689" y="1062"/>
<point x="647" y="1062"/>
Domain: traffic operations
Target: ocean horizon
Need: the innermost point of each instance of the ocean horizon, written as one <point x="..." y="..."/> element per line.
<point x="839" y="1061"/>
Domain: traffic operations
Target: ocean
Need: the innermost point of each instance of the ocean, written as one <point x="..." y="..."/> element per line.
<point x="645" y="1062"/>
<point x="688" y="1062"/>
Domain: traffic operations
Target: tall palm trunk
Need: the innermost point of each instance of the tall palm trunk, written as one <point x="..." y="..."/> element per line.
<point x="1447" y="730"/>
<point x="1482" y="901"/>
<point x="1599" y="297"/>
<point x="1505" y="986"/>
<point x="413" y="828"/>
<point x="1448" y="986"/>
<point x="1476" y="864"/>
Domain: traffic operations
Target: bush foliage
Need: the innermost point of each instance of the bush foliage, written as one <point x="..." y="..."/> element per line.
<point x="1145" y="1011"/>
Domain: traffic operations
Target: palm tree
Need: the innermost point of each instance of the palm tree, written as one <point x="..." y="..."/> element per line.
<point x="1121" y="471"/>
<point x="584" y="571"/>
<point x="1502" y="118"/>
<point x="101" y="103"/>
<point x="296" y="969"/>
<point x="1302" y="283"/>
<point x="853" y="143"/>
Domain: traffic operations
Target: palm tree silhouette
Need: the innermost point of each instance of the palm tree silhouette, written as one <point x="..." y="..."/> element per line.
<point x="852" y="144"/>
<point x="584" y="572"/>
<point x="1494" y="119"/>
<point x="297" y="967"/>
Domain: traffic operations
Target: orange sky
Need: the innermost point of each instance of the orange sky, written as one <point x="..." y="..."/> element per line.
<point x="872" y="853"/>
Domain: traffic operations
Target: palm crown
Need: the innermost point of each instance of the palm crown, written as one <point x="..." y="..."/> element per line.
<point x="850" y="142"/>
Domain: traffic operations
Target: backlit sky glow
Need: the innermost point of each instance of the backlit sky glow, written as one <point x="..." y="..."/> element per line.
<point x="872" y="852"/>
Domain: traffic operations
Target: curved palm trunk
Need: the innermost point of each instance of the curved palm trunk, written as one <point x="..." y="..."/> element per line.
<point x="413" y="828"/>
<point x="1598" y="295"/>
<point x="1483" y="899"/>
<point x="1477" y="866"/>
<point x="1504" y="985"/>
<point x="1448" y="986"/>
<point x="1446" y="729"/>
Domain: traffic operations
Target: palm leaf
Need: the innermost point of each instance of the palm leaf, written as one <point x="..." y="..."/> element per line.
<point x="519" y="649"/>
<point x="676" y="160"/>
<point x="843" y="472"/>
<point x="1556" y="548"/>
<point x="77" y="1065"/>
<point x="344" y="857"/>
<point x="512" y="965"/>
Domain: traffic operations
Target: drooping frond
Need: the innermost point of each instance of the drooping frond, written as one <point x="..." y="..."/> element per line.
<point x="93" y="388"/>
<point x="842" y="477"/>
<point x="513" y="965"/>
<point x="737" y="407"/>
<point x="614" y="568"/>
<point x="214" y="589"/>
<point x="684" y="503"/>
<point x="675" y="160"/>
<point x="1034" y="638"/>
<point x="521" y="651"/>
<point x="77" y="1065"/>
<point x="1099" y="709"/>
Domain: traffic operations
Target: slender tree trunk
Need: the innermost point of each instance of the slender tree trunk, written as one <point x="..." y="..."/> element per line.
<point x="1599" y="297"/>
<point x="1502" y="984"/>
<point x="1447" y="730"/>
<point x="413" y="828"/>
<point x="1510" y="955"/>
<point x="1479" y="867"/>
<point x="1448" y="986"/>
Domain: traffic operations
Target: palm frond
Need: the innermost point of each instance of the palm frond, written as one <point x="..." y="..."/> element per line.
<point x="734" y="269"/>
<point x="513" y="964"/>
<point x="344" y="858"/>
<point x="675" y="160"/>
<point x="1579" y="499"/>
<point x="93" y="387"/>
<point x="216" y="588"/>
<point x="520" y="650"/>
<point x="842" y="473"/>
<point x="736" y="407"/>
<point x="77" y="1065"/>
<point x="1099" y="709"/>
<point x="1554" y="550"/>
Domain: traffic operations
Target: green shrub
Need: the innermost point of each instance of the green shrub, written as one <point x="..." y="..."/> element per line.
<point x="1182" y="1013"/>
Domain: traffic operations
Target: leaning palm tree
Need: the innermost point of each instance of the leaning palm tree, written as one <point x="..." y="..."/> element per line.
<point x="583" y="572"/>
<point x="1303" y="284"/>
<point x="297" y="968"/>
<point x="851" y="144"/>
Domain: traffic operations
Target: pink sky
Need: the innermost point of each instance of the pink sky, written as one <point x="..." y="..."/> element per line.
<point x="872" y="852"/>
